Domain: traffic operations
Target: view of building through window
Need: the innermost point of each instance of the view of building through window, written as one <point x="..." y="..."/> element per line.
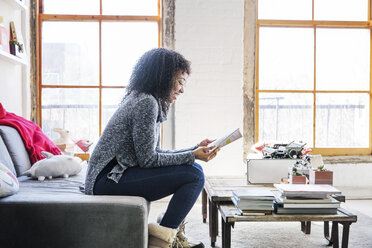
<point x="313" y="81"/>
<point x="86" y="64"/>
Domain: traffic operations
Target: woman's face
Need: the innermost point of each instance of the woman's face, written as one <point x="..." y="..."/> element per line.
<point x="178" y="86"/>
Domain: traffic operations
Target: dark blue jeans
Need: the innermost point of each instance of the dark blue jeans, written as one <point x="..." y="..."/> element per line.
<point x="183" y="181"/>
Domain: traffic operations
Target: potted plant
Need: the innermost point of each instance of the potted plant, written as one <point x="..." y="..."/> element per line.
<point x="321" y="176"/>
<point x="296" y="177"/>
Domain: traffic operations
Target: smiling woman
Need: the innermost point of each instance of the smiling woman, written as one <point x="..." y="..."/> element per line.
<point x="128" y="160"/>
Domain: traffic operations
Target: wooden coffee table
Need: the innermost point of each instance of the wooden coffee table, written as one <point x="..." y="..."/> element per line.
<point x="218" y="192"/>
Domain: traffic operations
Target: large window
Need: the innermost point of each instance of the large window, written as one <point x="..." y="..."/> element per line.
<point x="87" y="49"/>
<point x="313" y="74"/>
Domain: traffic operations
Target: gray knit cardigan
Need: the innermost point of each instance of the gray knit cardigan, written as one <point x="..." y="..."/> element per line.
<point x="133" y="136"/>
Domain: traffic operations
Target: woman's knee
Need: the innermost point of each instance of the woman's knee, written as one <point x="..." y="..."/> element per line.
<point x="198" y="173"/>
<point x="198" y="166"/>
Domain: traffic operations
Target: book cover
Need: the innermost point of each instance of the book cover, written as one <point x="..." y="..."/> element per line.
<point x="227" y="139"/>
<point x="254" y="194"/>
<point x="306" y="189"/>
<point x="252" y="213"/>
<point x="311" y="205"/>
<point x="278" y="208"/>
<point x="16" y="42"/>
<point x="4" y="39"/>
<point x="252" y="206"/>
<point x="281" y="210"/>
<point x="282" y="199"/>
<point x="294" y="195"/>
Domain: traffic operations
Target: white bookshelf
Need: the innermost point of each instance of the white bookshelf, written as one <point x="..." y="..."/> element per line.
<point x="15" y="71"/>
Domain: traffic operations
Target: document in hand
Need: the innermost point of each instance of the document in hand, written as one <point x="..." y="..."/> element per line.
<point x="226" y="139"/>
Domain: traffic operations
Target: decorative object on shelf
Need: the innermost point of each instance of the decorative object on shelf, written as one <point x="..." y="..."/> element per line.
<point x="64" y="142"/>
<point x="4" y="37"/>
<point x="84" y="144"/>
<point x="16" y="42"/>
<point x="297" y="178"/>
<point x="321" y="176"/>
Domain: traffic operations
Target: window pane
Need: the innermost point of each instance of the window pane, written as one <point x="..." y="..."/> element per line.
<point x="342" y="59"/>
<point x="286" y="117"/>
<point x="286" y="58"/>
<point x="73" y="109"/>
<point x="341" y="10"/>
<point x="70" y="53"/>
<point x="138" y="7"/>
<point x="342" y="120"/>
<point x="111" y="99"/>
<point x="285" y="9"/>
<point x="122" y="44"/>
<point x="81" y="7"/>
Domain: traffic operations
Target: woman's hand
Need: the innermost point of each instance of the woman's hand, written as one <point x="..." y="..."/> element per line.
<point x="203" y="153"/>
<point x="205" y="142"/>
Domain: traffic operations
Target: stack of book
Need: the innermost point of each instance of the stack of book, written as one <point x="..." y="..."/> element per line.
<point x="306" y="199"/>
<point x="253" y="201"/>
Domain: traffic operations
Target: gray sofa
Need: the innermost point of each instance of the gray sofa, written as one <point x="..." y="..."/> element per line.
<point x="54" y="213"/>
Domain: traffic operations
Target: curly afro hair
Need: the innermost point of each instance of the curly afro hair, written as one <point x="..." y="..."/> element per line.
<point x="154" y="74"/>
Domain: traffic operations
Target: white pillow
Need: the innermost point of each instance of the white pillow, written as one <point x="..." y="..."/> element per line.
<point x="8" y="182"/>
<point x="54" y="166"/>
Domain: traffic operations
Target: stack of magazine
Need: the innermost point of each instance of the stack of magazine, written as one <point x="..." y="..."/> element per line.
<point x="253" y="201"/>
<point x="306" y="199"/>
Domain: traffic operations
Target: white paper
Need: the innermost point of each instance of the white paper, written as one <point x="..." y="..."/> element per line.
<point x="227" y="139"/>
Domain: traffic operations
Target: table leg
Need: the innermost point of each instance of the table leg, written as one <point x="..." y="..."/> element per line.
<point x="226" y="234"/>
<point x="326" y="233"/>
<point x="306" y="227"/>
<point x="204" y="205"/>
<point x="334" y="234"/>
<point x="345" y="234"/>
<point x="213" y="222"/>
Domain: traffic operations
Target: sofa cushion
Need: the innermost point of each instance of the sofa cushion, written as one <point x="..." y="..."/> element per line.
<point x="5" y="157"/>
<point x="16" y="149"/>
<point x="8" y="182"/>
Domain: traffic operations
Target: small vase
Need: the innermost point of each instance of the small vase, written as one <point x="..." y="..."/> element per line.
<point x="321" y="177"/>
<point x="298" y="179"/>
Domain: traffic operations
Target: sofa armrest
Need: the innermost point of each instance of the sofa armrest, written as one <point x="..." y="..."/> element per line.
<point x="73" y="221"/>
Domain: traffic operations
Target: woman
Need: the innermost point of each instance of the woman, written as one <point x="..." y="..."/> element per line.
<point x="128" y="160"/>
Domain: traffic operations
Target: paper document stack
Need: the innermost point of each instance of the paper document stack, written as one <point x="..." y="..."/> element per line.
<point x="253" y="201"/>
<point x="306" y="199"/>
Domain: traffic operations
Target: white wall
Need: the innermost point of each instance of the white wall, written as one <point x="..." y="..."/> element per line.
<point x="11" y="87"/>
<point x="351" y="175"/>
<point x="210" y="34"/>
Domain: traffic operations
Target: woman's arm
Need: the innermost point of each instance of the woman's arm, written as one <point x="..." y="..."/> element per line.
<point x="158" y="149"/>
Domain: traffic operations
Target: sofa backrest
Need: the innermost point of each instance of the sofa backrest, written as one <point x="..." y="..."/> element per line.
<point x="16" y="150"/>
